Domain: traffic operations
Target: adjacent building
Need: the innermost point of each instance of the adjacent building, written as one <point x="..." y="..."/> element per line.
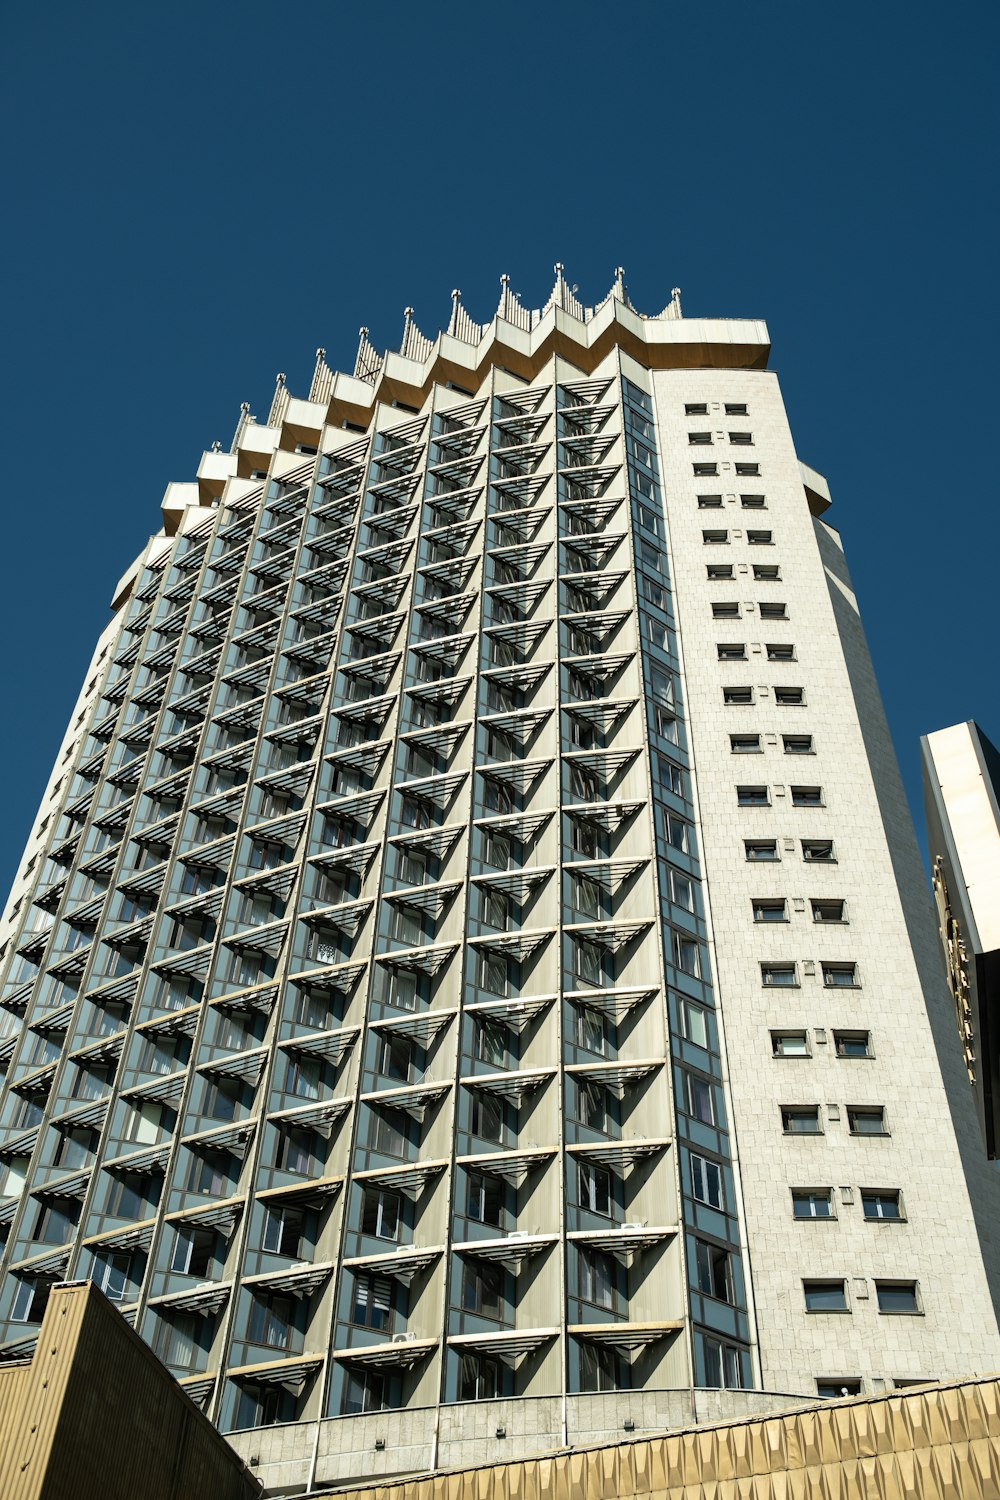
<point x="961" y="790"/>
<point x="471" y="979"/>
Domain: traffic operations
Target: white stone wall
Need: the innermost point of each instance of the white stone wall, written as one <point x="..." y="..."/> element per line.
<point x="938" y="1246"/>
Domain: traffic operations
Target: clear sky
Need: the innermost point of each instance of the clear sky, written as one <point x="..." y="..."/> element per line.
<point x="200" y="194"/>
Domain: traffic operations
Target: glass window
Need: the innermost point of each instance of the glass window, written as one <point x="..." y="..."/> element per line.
<point x="825" y="1296"/>
<point x="380" y="1213"/>
<point x="812" y="1203"/>
<point x="595" y="1189"/>
<point x="706" y="1181"/>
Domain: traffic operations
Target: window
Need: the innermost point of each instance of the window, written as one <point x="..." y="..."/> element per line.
<point x="175" y="1340"/>
<point x="852" y="1044"/>
<point x="818" y="851"/>
<point x="400" y="989"/>
<point x="840" y="976"/>
<point x="686" y="953"/>
<point x="724" y="1364"/>
<point x="750" y="471"/>
<point x="719" y="572"/>
<point x="595" y="1189"/>
<point x="832" y="1389"/>
<point x="485" y="1199"/>
<point x="772" y="611"/>
<point x="706" y="1181"/>
<point x="753" y="796"/>
<point x="745" y="744"/>
<point x="482" y="1289"/>
<point x="790" y="697"/>
<point x="783" y="975"/>
<point x="825" y="1296"/>
<point x="496" y="852"/>
<point x="493" y="973"/>
<point x="741" y="439"/>
<point x="590" y="1030"/>
<point x="797" y="744"/>
<point x="380" y="1213"/>
<point x="110" y="1273"/>
<point x="731" y="651"/>
<point x="726" y="611"/>
<point x="479" y="1378"/>
<point x="700" y="1098"/>
<point x="405" y="925"/>
<point x="709" y="502"/>
<point x="737" y="696"/>
<point x="760" y="538"/>
<point x="490" y="1042"/>
<point x="696" y="408"/>
<point x="486" y="1116"/>
<point x="713" y="1271"/>
<point x="753" y="502"/>
<point x="270" y="1322"/>
<point x="812" y="1203"/>
<point x="30" y="1300"/>
<point x="597" y="1278"/>
<point x="883" y="1203"/>
<point x="866" y="1119"/>
<point x="600" y="1368"/>
<point x="777" y="652"/>
<point x="705" y="471"/>
<point x="714" y="538"/>
<point x="807" y="796"/>
<point x="800" y="1119"/>
<point x="393" y="1056"/>
<point x="700" y="439"/>
<point x="897" y="1296"/>
<point x="194" y="1252"/>
<point x="789" y="1044"/>
<point x="296" y="1151"/>
<point x="387" y="1132"/>
<point x="365" y="1390"/>
<point x="768" y="910"/>
<point x="736" y="409"/>
<point x="760" y="851"/>
<point x="828" y="911"/>
<point x="371" y="1305"/>
<point x="284" y="1230"/>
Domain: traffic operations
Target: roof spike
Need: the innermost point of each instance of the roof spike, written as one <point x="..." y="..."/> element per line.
<point x="279" y="402"/>
<point x="563" y="296"/>
<point x="368" y="361"/>
<point x="242" y="424"/>
<point x="322" y="381"/>
<point x="414" y="345"/>
<point x="673" y="307"/>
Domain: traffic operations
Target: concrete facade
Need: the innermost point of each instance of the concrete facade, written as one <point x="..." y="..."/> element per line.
<point x="471" y="973"/>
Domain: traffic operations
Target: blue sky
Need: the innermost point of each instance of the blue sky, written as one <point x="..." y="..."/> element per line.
<point x="199" y="195"/>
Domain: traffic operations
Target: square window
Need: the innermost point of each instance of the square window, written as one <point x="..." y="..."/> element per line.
<point x="789" y="1044"/>
<point x="714" y="538"/>
<point x="777" y="652"/>
<point x="853" y="1043"/>
<point x="790" y="697"/>
<point x="749" y="470"/>
<point x="782" y="975"/>
<point x="760" y="851"/>
<point x="760" y="538"/>
<point x="707" y="1181"/>
<point x="800" y="1119"/>
<point x="713" y="1271"/>
<point x="709" y="502"/>
<point x="883" y="1203"/>
<point x="741" y="439"/>
<point x="840" y="976"/>
<point x="897" y="1296"/>
<point x="719" y="572"/>
<point x="736" y="408"/>
<point x="838" y="1386"/>
<point x="753" y="796"/>
<point x="818" y="851"/>
<point x="726" y="611"/>
<point x="812" y="1203"/>
<point x="738" y="696"/>
<point x="766" y="573"/>
<point x="733" y="651"/>
<point x="825" y="1296"/>
<point x="807" y="796"/>
<point x="753" y="502"/>
<point x="745" y="744"/>
<point x="768" y="910"/>
<point x="866" y="1119"/>
<point x="700" y="439"/>
<point x="797" y="744"/>
<point x="828" y="911"/>
<point x="773" y="611"/>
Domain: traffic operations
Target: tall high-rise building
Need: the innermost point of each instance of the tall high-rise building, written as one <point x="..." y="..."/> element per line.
<point x="961" y="772"/>
<point x="471" y="984"/>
